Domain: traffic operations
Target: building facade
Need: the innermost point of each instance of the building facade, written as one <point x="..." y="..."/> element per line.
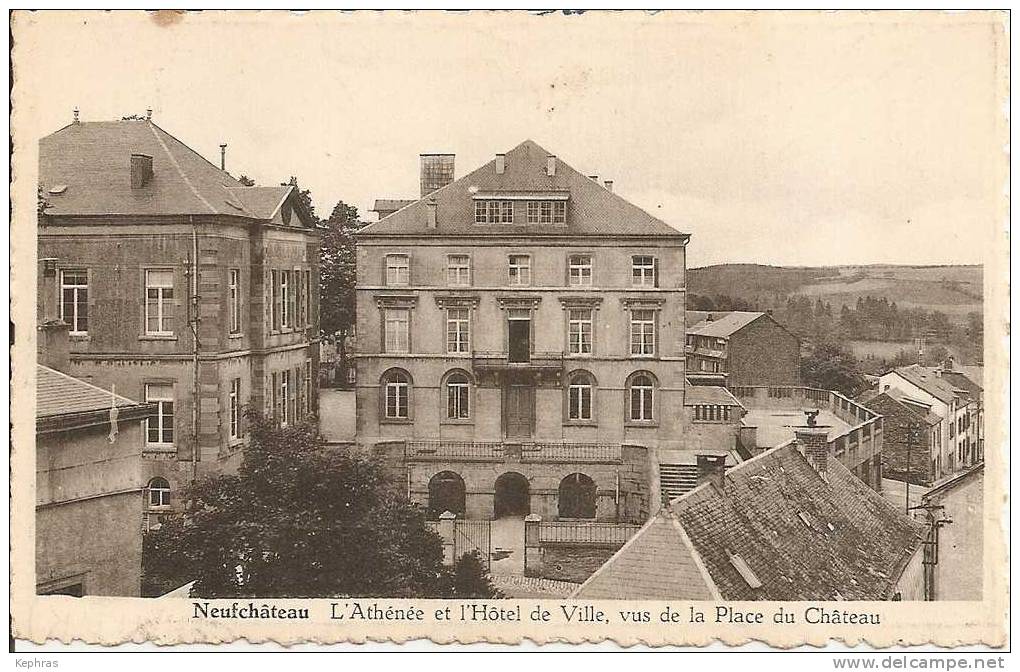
<point x="913" y="436"/>
<point x="521" y="316"/>
<point x="89" y="482"/>
<point x="182" y="286"/>
<point x="740" y="348"/>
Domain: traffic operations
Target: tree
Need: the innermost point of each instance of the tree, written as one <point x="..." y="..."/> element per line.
<point x="302" y="519"/>
<point x="305" y="196"/>
<point x="246" y="181"/>
<point x="337" y="272"/>
<point x="830" y="366"/>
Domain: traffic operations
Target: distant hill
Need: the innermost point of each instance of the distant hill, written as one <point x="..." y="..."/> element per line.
<point x="953" y="290"/>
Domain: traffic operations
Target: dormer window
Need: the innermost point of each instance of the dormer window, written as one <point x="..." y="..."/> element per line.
<point x="547" y="212"/>
<point x="494" y="212"/>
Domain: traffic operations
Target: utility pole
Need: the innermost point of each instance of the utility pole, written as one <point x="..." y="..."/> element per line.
<point x="911" y="428"/>
<point x="930" y="560"/>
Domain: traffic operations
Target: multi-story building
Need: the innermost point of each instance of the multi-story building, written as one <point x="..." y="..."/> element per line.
<point x="182" y="286"/>
<point x="521" y="341"/>
<point x="740" y="348"/>
<point x="913" y="436"/>
<point x="956" y="399"/>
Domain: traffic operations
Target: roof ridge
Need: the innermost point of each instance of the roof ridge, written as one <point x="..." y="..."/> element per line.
<point x="177" y="166"/>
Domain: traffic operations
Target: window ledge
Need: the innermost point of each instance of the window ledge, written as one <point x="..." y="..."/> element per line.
<point x="462" y="422"/>
<point x="157" y="337"/>
<point x="641" y="423"/>
<point x="396" y="421"/>
<point x="80" y="337"/>
<point x="580" y="423"/>
<point x="713" y="422"/>
<point x="239" y="334"/>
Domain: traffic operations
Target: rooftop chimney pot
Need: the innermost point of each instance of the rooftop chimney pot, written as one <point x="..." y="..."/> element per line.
<point x="500" y="164"/>
<point x="223" y="156"/>
<point x="609" y="185"/>
<point x="813" y="440"/>
<point x="76" y="119"/>
<point x="141" y="170"/>
<point x="148" y="114"/>
<point x="550" y="165"/>
<point x="436" y="172"/>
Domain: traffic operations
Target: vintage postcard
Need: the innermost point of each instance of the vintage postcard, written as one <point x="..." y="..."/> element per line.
<point x="653" y="327"/>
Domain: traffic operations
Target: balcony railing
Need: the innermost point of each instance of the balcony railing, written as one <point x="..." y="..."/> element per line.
<point x="501" y="360"/>
<point x="513" y="451"/>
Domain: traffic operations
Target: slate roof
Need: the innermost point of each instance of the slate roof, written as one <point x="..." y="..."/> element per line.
<point x="592" y="209"/>
<point x="925" y="377"/>
<point x="391" y="204"/>
<point x="91" y="161"/>
<point x="60" y="394"/>
<point x="723" y="325"/>
<point x="716" y="395"/>
<point x="776" y="531"/>
<point x="893" y="400"/>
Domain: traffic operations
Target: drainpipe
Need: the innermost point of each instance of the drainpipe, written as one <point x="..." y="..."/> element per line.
<point x="193" y="309"/>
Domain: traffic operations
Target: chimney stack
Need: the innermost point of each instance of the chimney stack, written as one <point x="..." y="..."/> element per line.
<point x="712" y="468"/>
<point x="76" y="119"/>
<point x="594" y="178"/>
<point x="141" y="170"/>
<point x="813" y="440"/>
<point x="550" y="165"/>
<point x="432" y="212"/>
<point x="500" y="164"/>
<point x="53" y="345"/>
<point x="609" y="185"/>
<point x="223" y="156"/>
<point x="148" y="114"/>
<point x="436" y="172"/>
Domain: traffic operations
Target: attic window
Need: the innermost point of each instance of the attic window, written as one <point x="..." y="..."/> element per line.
<point x="58" y="189"/>
<point x="745" y="572"/>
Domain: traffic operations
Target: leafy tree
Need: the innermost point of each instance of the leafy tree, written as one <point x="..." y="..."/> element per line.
<point x="305" y="196"/>
<point x="337" y="272"/>
<point x="246" y="181"/>
<point x="830" y="366"/>
<point x="470" y="579"/>
<point x="302" y="519"/>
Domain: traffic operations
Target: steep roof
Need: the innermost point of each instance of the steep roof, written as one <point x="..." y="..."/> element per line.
<point x="60" y="394"/>
<point x="391" y="204"/>
<point x="893" y="400"/>
<point x="592" y="209"/>
<point x="929" y="379"/>
<point x="85" y="170"/>
<point x="723" y="325"/>
<point x="777" y="531"/>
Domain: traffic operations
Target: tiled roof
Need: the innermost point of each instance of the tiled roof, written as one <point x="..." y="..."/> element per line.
<point x="391" y="204"/>
<point x="893" y="400"/>
<point x="723" y="325"/>
<point x="776" y="531"/>
<point x="696" y="395"/>
<point x="963" y="382"/>
<point x="85" y="169"/>
<point x="60" y="394"/>
<point x="592" y="209"/>
<point x="926" y="378"/>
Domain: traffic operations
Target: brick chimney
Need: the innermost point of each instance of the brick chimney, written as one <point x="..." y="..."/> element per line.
<point x="53" y="345"/>
<point x="433" y="207"/>
<point x="500" y="164"/>
<point x="550" y="165"/>
<point x="141" y="170"/>
<point x="436" y="172"/>
<point x="712" y="468"/>
<point x="813" y="441"/>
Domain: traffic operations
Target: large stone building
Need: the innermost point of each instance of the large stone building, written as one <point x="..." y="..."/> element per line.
<point x="913" y="436"/>
<point x="89" y="484"/>
<point x="740" y="348"/>
<point x="182" y="286"/>
<point x="521" y="342"/>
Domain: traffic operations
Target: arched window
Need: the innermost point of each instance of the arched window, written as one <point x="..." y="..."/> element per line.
<point x="577" y="497"/>
<point x="458" y="396"/>
<point x="580" y="396"/>
<point x="641" y="397"/>
<point x="159" y="493"/>
<point x="446" y="493"/>
<point x="396" y="384"/>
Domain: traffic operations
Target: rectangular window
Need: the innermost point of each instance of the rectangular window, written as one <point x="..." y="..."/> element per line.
<point x="643" y="271"/>
<point x="533" y="212"/>
<point x="291" y="379"/>
<point x="159" y="302"/>
<point x="396" y="328"/>
<point x="481" y="212"/>
<point x="274" y="304"/>
<point x="579" y="329"/>
<point x="283" y="398"/>
<point x="520" y="269"/>
<point x="307" y="408"/>
<point x="457" y="392"/>
<point x="398" y="270"/>
<point x="396" y="399"/>
<point x="308" y="298"/>
<point x="559" y="212"/>
<point x="159" y="429"/>
<point x="579" y="271"/>
<point x="457" y="330"/>
<point x="579" y="401"/>
<point x="74" y="300"/>
<point x="235" y="408"/>
<point x="275" y="395"/>
<point x="299" y="299"/>
<point x="641" y="402"/>
<point x="286" y="299"/>
<point x="234" y="291"/>
<point x="546" y="209"/>
<point x="458" y="270"/>
<point x="642" y="332"/>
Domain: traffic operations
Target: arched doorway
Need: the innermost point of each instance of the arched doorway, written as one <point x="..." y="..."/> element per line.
<point x="446" y="493"/>
<point x="512" y="495"/>
<point x="577" y="497"/>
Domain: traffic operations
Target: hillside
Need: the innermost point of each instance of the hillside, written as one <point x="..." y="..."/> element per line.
<point x="953" y="290"/>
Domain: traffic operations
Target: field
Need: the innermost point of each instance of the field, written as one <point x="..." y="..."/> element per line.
<point x="953" y="290"/>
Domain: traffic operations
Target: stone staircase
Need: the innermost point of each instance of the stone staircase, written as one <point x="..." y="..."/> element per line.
<point x="676" y="479"/>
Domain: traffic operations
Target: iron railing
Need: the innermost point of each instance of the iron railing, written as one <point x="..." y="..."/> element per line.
<point x="586" y="533"/>
<point x="511" y="450"/>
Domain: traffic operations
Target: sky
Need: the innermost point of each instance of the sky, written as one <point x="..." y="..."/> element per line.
<point x="787" y="139"/>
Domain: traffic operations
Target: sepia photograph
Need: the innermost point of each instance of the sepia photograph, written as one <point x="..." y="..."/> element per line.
<point x="582" y="324"/>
